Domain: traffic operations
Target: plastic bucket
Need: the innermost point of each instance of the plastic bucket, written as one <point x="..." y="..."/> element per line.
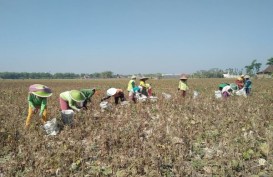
<point x="67" y="116"/>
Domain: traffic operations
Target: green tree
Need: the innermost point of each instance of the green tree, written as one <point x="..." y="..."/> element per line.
<point x="270" y="61"/>
<point x="253" y="68"/>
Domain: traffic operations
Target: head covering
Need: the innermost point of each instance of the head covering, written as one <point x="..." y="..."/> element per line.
<point x="76" y="95"/>
<point x="144" y="78"/>
<point x="239" y="78"/>
<point x="183" y="77"/>
<point x="111" y="91"/>
<point x="133" y="77"/>
<point x="234" y="86"/>
<point x="40" y="90"/>
<point x="242" y="76"/>
<point x="247" y="76"/>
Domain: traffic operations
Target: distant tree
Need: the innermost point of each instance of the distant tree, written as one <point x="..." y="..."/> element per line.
<point x="253" y="68"/>
<point x="270" y="61"/>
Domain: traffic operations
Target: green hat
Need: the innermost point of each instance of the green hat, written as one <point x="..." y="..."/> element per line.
<point x="40" y="90"/>
<point x="234" y="86"/>
<point x="77" y="96"/>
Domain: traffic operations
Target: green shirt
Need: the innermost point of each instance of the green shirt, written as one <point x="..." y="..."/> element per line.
<point x="35" y="101"/>
<point x="88" y="93"/>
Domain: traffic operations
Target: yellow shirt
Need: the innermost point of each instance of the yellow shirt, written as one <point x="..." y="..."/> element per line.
<point x="183" y="86"/>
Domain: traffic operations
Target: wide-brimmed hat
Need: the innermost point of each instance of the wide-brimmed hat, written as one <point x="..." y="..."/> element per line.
<point x="247" y="76"/>
<point x="133" y="77"/>
<point x="239" y="78"/>
<point x="144" y="78"/>
<point x="183" y="77"/>
<point x="76" y="95"/>
<point x="40" y="90"/>
<point x="234" y="86"/>
<point x="111" y="91"/>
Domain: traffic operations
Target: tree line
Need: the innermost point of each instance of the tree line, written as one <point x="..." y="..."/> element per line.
<point x="37" y="75"/>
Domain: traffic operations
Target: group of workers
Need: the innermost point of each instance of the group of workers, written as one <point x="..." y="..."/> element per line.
<point x="241" y="83"/>
<point x="78" y="99"/>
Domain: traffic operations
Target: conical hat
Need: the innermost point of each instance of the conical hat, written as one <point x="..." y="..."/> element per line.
<point x="183" y="77"/>
<point x="144" y="78"/>
<point x="77" y="96"/>
<point x="111" y="91"/>
<point x="40" y="90"/>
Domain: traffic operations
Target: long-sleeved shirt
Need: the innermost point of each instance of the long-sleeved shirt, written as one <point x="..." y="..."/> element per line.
<point x="131" y="85"/>
<point x="35" y="101"/>
<point x="183" y="86"/>
<point x="88" y="93"/>
<point x="71" y="103"/>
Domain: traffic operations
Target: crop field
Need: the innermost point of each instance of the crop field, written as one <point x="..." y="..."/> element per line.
<point x="202" y="137"/>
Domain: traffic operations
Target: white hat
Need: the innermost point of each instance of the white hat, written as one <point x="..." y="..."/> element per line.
<point x="133" y="77"/>
<point x="111" y="91"/>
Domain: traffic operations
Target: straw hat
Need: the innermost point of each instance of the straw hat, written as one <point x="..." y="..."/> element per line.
<point x="247" y="76"/>
<point x="111" y="91"/>
<point x="40" y="90"/>
<point x="77" y="96"/>
<point x="183" y="77"/>
<point x="239" y="78"/>
<point x="133" y="77"/>
<point x="144" y="78"/>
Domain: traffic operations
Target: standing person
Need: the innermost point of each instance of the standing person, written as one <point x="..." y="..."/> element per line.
<point x="240" y="82"/>
<point x="248" y="85"/>
<point x="88" y="93"/>
<point x="130" y="88"/>
<point x="71" y="100"/>
<point x="183" y="85"/>
<point x="37" y="99"/>
<point x="116" y="93"/>
<point x="229" y="90"/>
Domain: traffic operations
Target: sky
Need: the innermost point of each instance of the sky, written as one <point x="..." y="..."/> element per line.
<point x="134" y="36"/>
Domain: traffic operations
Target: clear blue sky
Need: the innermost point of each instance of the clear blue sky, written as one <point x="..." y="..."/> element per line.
<point x="133" y="36"/>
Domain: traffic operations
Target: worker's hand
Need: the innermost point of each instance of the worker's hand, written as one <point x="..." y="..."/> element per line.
<point x="40" y="114"/>
<point x="78" y="110"/>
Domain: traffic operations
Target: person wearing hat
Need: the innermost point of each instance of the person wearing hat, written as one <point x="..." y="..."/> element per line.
<point x="240" y="82"/>
<point x="88" y="93"/>
<point x="116" y="93"/>
<point x="130" y="88"/>
<point x="37" y="99"/>
<point x="144" y="87"/>
<point x="229" y="90"/>
<point x="183" y="86"/>
<point x="247" y="85"/>
<point x="72" y="99"/>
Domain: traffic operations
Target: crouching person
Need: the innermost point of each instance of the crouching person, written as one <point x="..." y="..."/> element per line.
<point x="229" y="90"/>
<point x="37" y="100"/>
<point x="72" y="100"/>
<point x="116" y="93"/>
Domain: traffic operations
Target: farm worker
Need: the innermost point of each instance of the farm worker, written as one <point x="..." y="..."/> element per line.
<point x="143" y="86"/>
<point x="72" y="100"/>
<point x="229" y="90"/>
<point x="130" y="88"/>
<point x="240" y="82"/>
<point x="248" y="85"/>
<point x="37" y="99"/>
<point x="116" y="93"/>
<point x="88" y="93"/>
<point x="183" y="86"/>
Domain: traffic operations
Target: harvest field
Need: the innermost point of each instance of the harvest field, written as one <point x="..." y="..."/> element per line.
<point x="190" y="137"/>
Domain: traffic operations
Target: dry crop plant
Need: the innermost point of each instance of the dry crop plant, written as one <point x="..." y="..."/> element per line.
<point x="177" y="137"/>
